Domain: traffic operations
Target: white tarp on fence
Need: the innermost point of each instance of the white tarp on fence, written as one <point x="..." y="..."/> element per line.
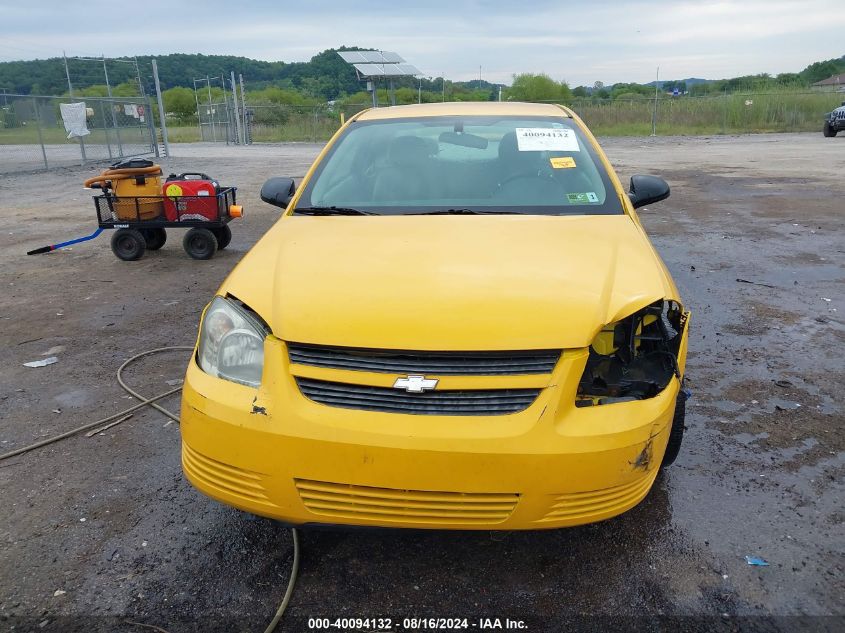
<point x="73" y="116"/>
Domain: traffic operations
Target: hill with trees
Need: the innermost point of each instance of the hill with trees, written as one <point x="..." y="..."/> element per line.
<point x="326" y="77"/>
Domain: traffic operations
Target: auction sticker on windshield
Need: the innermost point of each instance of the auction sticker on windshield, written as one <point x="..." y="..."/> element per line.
<point x="562" y="162"/>
<point x="580" y="198"/>
<point x="546" y="139"/>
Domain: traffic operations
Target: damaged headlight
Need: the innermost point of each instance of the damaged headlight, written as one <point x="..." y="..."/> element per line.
<point x="634" y="358"/>
<point x="231" y="344"/>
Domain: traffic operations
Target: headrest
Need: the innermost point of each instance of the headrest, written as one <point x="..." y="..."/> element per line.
<point x="408" y="151"/>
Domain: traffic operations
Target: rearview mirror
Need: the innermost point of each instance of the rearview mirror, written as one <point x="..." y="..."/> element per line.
<point x="647" y="189"/>
<point x="278" y="192"/>
<point x="463" y="139"/>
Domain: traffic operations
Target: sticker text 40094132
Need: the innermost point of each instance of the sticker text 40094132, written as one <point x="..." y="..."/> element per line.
<point x="544" y="139"/>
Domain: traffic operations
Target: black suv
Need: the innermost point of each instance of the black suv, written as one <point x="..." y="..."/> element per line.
<point x="834" y="121"/>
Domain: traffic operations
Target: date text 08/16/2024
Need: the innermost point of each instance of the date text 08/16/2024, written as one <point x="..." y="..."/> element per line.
<point x="415" y="624"/>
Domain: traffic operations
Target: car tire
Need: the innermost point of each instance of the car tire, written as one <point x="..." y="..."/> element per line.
<point x="155" y="238"/>
<point x="676" y="434"/>
<point x="128" y="244"/>
<point x="223" y="235"/>
<point x="828" y="130"/>
<point x="200" y="243"/>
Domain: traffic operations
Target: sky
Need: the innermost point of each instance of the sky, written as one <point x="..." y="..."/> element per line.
<point x="578" y="42"/>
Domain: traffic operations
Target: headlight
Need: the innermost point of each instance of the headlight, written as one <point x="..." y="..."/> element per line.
<point x="231" y="343"/>
<point x="634" y="358"/>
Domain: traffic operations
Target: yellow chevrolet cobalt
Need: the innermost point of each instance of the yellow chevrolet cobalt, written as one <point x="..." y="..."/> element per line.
<point x="458" y="323"/>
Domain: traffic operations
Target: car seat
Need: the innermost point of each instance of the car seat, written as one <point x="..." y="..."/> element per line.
<point x="408" y="175"/>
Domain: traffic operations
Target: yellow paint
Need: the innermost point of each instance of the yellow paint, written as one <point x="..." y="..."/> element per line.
<point x="425" y="283"/>
<point x="562" y="162"/>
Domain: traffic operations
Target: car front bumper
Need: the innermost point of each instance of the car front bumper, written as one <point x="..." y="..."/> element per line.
<point x="273" y="452"/>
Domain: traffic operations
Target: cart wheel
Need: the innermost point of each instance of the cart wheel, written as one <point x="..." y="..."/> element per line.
<point x="155" y="238"/>
<point x="128" y="244"/>
<point x="223" y="235"/>
<point x="200" y="243"/>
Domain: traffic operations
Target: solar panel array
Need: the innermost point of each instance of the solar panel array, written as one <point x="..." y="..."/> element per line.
<point x="379" y="64"/>
<point x="370" y="57"/>
<point x="387" y="70"/>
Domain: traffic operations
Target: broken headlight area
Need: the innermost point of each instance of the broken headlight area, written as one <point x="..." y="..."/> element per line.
<point x="635" y="358"/>
<point x="231" y="343"/>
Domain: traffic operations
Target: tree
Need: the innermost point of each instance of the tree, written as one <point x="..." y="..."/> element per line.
<point x="531" y="87"/>
<point x="125" y="89"/>
<point x="579" y="92"/>
<point x="628" y="90"/>
<point x="180" y="101"/>
<point x="822" y="70"/>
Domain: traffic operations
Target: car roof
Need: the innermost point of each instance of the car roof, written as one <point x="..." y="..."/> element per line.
<point x="483" y="108"/>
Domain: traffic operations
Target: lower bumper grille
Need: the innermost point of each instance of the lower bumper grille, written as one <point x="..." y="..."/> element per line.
<point x="224" y="478"/>
<point x="367" y="398"/>
<point x="391" y="505"/>
<point x="578" y="505"/>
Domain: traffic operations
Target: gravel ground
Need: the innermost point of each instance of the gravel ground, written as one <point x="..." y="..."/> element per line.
<point x="100" y="532"/>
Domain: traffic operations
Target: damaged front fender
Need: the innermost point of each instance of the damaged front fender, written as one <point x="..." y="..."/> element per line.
<point x="636" y="357"/>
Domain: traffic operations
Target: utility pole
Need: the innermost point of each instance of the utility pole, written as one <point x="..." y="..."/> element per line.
<point x="162" y="115"/>
<point x="226" y="104"/>
<point x="247" y="139"/>
<point x="141" y="90"/>
<point x="654" y="111"/>
<point x="67" y="74"/>
<point x="70" y="93"/>
<point x="213" y="131"/>
<point x="113" y="115"/>
<point x="237" y="114"/>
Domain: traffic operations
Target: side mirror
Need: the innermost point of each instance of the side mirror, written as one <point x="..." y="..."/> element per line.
<point x="278" y="192"/>
<point x="647" y="189"/>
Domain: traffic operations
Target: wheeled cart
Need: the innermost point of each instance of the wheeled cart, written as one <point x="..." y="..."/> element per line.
<point x="139" y="228"/>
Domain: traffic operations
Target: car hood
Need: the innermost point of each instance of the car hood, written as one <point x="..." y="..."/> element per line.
<point x="449" y="282"/>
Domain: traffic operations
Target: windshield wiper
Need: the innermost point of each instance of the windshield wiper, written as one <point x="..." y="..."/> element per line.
<point x="330" y="211"/>
<point x="466" y="212"/>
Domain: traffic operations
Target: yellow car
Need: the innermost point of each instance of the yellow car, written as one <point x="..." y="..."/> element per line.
<point x="458" y="323"/>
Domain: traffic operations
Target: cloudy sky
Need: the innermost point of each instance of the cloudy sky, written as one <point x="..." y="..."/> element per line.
<point x="579" y="42"/>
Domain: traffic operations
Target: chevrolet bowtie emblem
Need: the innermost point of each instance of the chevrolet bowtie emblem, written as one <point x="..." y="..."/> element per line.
<point x="415" y="384"/>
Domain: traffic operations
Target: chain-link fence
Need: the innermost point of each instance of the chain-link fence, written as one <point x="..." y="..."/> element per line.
<point x="280" y="122"/>
<point x="722" y="114"/>
<point x="263" y="123"/>
<point x="33" y="136"/>
<point x="217" y="122"/>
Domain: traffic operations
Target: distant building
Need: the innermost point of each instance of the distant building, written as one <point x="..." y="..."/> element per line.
<point x="831" y="84"/>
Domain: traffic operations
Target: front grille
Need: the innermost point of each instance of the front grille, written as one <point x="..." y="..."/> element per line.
<point x="446" y="402"/>
<point x="391" y="505"/>
<point x="421" y="362"/>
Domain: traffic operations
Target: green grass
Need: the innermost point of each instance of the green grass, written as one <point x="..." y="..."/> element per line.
<point x="771" y="112"/>
<point x="28" y="135"/>
<point x="183" y="134"/>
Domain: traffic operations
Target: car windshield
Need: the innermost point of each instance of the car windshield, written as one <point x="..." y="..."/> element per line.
<point x="461" y="165"/>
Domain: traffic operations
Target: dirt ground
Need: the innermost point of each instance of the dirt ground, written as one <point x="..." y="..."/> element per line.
<point x="96" y="533"/>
